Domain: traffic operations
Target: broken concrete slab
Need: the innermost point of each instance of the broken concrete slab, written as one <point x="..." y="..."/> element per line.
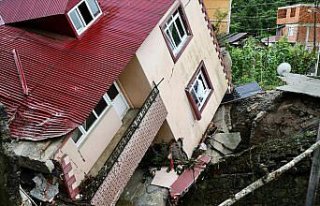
<point x="225" y="143"/>
<point x="139" y="191"/>
<point x="230" y="140"/>
<point x="300" y="84"/>
<point x="222" y="118"/>
<point x="215" y="156"/>
<point x="44" y="191"/>
<point x="36" y="156"/>
<point x="163" y="178"/>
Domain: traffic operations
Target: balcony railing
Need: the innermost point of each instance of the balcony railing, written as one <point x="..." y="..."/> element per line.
<point x="128" y="151"/>
<point x="131" y="130"/>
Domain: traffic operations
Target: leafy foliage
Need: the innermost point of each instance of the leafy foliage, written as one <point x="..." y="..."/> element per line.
<point x="255" y="62"/>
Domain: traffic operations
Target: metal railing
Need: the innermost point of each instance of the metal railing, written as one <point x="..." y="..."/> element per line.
<point x="130" y="131"/>
<point x="91" y="185"/>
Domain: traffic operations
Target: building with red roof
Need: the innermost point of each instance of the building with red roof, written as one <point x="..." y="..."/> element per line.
<point x="93" y="83"/>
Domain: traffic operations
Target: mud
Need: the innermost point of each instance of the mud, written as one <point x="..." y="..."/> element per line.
<point x="275" y="127"/>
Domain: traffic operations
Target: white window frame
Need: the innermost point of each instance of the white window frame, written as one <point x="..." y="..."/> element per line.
<point x="291" y="30"/>
<point x="172" y="21"/>
<point x="86" y="26"/>
<point x="85" y="133"/>
<point x="207" y="89"/>
<point x="98" y="117"/>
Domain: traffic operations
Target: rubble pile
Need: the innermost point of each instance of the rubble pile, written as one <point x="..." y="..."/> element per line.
<point x="275" y="127"/>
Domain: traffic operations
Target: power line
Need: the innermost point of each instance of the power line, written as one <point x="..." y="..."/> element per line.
<point x="264" y="4"/>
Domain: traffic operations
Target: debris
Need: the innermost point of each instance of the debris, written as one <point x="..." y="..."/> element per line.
<point x="203" y="147"/>
<point x="188" y="178"/>
<point x="242" y="92"/>
<point x="300" y="84"/>
<point x="164" y="178"/>
<point x="259" y="116"/>
<point x="44" y="191"/>
<point x="177" y="151"/>
<point x="222" y="144"/>
<point x="26" y="199"/>
<point x="270" y="177"/>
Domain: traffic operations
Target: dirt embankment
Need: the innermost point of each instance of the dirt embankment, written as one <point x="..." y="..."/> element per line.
<point x="275" y="127"/>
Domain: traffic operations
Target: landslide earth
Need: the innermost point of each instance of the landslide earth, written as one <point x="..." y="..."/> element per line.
<point x="275" y="127"/>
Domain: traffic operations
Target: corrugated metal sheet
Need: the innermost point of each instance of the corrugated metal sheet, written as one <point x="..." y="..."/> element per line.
<point x="66" y="77"/>
<point x="21" y="10"/>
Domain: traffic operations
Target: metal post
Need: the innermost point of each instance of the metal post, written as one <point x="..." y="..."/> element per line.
<point x="315" y="25"/>
<point x="317" y="64"/>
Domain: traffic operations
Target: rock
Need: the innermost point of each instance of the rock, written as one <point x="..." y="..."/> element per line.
<point x="259" y="116"/>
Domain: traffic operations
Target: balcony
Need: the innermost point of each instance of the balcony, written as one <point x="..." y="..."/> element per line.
<point x="126" y="151"/>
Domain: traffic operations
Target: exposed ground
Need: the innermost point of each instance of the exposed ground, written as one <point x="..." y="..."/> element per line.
<point x="275" y="127"/>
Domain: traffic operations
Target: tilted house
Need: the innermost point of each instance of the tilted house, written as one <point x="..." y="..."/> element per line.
<point x="92" y="83"/>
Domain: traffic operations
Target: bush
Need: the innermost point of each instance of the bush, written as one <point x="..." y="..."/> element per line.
<point x="256" y="62"/>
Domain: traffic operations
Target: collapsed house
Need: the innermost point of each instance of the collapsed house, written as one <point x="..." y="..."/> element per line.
<point x="89" y="85"/>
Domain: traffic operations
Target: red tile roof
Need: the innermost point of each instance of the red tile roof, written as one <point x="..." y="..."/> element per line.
<point x="65" y="76"/>
<point x="17" y="10"/>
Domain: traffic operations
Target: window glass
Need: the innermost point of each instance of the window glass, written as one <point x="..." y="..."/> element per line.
<point x="94" y="7"/>
<point x="85" y="12"/>
<point x="112" y="92"/>
<point x="175" y="35"/>
<point x="180" y="27"/>
<point x="74" y="15"/>
<point x="176" y="31"/>
<point x="102" y="104"/>
<point x="200" y="88"/>
<point x="76" y="135"/>
<point x="95" y="114"/>
<point x="89" y="121"/>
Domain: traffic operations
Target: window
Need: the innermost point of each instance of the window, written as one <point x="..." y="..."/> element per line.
<point x="176" y="31"/>
<point x="199" y="90"/>
<point x="108" y="99"/>
<point x="84" y="14"/>
<point x="291" y="30"/>
<point x="282" y="13"/>
<point x="292" y="12"/>
<point x="83" y="129"/>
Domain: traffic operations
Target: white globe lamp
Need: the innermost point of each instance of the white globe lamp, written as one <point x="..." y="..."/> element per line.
<point x="284" y="68"/>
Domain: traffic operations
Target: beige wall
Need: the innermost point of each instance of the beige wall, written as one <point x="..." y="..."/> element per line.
<point x="84" y="156"/>
<point x="157" y="63"/>
<point x="164" y="135"/>
<point x="214" y="7"/>
<point x="134" y="83"/>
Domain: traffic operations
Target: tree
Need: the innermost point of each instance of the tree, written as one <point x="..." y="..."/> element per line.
<point x="256" y="62"/>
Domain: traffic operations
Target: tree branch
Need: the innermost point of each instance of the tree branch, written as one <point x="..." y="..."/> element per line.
<point x="271" y="176"/>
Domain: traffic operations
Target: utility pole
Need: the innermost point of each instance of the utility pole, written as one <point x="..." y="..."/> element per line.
<point x="315" y="13"/>
<point x="315" y="24"/>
